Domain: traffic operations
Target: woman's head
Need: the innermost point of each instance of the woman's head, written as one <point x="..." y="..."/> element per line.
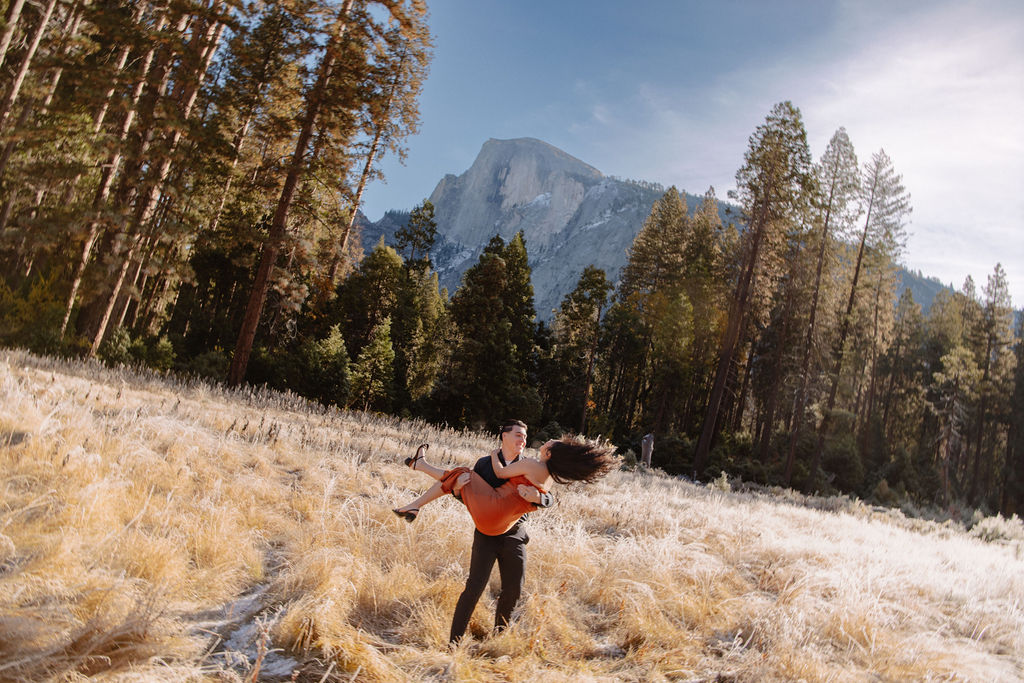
<point x="572" y="458"/>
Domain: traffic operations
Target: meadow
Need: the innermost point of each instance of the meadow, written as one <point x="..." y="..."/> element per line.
<point x="155" y="529"/>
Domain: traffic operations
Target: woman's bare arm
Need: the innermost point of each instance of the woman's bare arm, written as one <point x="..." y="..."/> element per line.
<point x="519" y="467"/>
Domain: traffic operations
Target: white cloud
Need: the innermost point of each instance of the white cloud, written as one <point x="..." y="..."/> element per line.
<point x="943" y="93"/>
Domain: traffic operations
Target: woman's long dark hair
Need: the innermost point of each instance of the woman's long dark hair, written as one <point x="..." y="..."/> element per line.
<point x="575" y="459"/>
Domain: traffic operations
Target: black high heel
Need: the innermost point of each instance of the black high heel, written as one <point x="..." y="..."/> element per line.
<point x="411" y="461"/>
<point x="407" y="515"/>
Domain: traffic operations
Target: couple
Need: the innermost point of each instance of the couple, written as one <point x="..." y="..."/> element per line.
<point x="498" y="491"/>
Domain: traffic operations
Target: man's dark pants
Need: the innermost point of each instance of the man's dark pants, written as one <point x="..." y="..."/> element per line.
<point x="509" y="551"/>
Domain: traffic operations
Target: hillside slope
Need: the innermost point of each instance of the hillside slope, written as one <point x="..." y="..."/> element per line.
<point x="160" y="530"/>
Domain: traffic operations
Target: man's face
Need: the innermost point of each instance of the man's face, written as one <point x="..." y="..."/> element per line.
<point x="514" y="440"/>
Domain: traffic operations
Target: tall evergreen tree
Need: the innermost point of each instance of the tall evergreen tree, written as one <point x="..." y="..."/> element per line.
<point x="577" y="330"/>
<point x="483" y="375"/>
<point x="773" y="186"/>
<point x="902" y="395"/>
<point x="886" y="205"/>
<point x="1013" y="467"/>
<point x="520" y="312"/>
<point x="652" y="284"/>
<point x="994" y="356"/>
<point x="656" y="257"/>
<point x="392" y="113"/>
<point x="705" y="284"/>
<point x="427" y="348"/>
<point x="373" y="372"/>
<point x="838" y="181"/>
<point x="417" y="236"/>
<point x="370" y="295"/>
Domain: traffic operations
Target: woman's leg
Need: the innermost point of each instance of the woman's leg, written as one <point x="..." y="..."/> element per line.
<point x="426" y="468"/>
<point x="419" y="463"/>
<point x="433" y="493"/>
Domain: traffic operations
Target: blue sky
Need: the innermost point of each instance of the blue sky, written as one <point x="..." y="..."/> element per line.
<point x="671" y="91"/>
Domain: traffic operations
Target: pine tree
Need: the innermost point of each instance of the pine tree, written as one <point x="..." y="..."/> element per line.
<point x="392" y="113"/>
<point x="902" y="394"/>
<point x="995" y="359"/>
<point x="197" y="55"/>
<point x="622" y="352"/>
<point x="774" y="186"/>
<point x="1013" y="467"/>
<point x="656" y="258"/>
<point x="417" y="236"/>
<point x="326" y="369"/>
<point x="370" y="295"/>
<point x="520" y="311"/>
<point x="838" y="180"/>
<point x="373" y="373"/>
<point x="429" y="345"/>
<point x="886" y="205"/>
<point x="954" y="388"/>
<point x="652" y="284"/>
<point x="483" y="376"/>
<point x="418" y="351"/>
<point x="577" y="330"/>
<point x="705" y="284"/>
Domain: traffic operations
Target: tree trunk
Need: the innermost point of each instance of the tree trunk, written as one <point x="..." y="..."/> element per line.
<point x="982" y="417"/>
<point x="13" y="15"/>
<point x="770" y="409"/>
<point x="869" y="403"/>
<point x="739" y="405"/>
<point x="275" y="238"/>
<point x="26" y="62"/>
<point x="363" y="178"/>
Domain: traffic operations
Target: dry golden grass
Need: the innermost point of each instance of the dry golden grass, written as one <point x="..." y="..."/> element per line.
<point x="153" y="530"/>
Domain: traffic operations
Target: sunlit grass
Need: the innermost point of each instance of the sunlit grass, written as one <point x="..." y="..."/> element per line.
<point x="160" y="530"/>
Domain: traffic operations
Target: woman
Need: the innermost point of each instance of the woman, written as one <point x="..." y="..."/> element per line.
<point x="494" y="511"/>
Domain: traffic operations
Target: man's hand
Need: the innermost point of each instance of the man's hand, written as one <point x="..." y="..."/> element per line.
<point x="461" y="481"/>
<point x="529" y="494"/>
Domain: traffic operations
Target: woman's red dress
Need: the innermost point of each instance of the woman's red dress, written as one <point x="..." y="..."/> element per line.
<point x="494" y="510"/>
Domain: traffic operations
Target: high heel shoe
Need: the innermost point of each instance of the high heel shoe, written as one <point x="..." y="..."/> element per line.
<point x="411" y="461"/>
<point x="407" y="515"/>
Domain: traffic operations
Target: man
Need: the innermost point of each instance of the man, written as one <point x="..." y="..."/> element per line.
<point x="507" y="549"/>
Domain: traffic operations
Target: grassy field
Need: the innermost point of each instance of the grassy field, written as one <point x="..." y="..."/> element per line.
<point x="159" y="530"/>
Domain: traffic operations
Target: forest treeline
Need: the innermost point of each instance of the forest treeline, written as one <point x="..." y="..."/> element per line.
<point x="180" y="183"/>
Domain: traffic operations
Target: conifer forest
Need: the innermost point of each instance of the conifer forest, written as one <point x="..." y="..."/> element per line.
<point x="180" y="185"/>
